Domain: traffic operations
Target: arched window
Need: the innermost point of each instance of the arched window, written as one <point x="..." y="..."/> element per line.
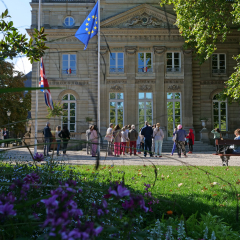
<point x="220" y="113"/>
<point x="69" y="21"/>
<point x="69" y="112"/>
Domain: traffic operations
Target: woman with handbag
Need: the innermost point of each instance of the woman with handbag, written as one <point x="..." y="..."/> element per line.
<point x="65" y="135"/>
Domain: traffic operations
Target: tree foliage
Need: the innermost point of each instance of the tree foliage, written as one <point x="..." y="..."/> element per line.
<point x="204" y="24"/>
<point x="15" y="43"/>
<point x="10" y="78"/>
<point x="56" y="112"/>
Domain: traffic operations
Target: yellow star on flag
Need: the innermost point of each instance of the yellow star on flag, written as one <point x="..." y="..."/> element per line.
<point x="92" y="31"/>
<point x="87" y="24"/>
<point x="93" y="16"/>
<point x="95" y="27"/>
<point x="86" y="29"/>
<point x="96" y="22"/>
<point x="88" y="32"/>
<point x="88" y="19"/>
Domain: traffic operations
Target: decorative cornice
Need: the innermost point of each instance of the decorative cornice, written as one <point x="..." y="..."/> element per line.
<point x="144" y="81"/>
<point x="116" y="87"/>
<point x="145" y="87"/>
<point x="131" y="49"/>
<point x="173" y="81"/>
<point x="213" y="82"/>
<point x="159" y="50"/>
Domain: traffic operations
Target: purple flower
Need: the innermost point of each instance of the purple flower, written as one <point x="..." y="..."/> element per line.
<point x="7" y="210"/>
<point x="38" y="157"/>
<point x="128" y="204"/>
<point x="31" y="178"/>
<point x="51" y="203"/>
<point x="104" y="203"/>
<point x="120" y="191"/>
<point x="98" y="230"/>
<point x="100" y="212"/>
<point x="147" y="186"/>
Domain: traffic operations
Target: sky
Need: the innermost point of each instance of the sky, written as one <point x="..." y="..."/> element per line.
<point x="20" y="12"/>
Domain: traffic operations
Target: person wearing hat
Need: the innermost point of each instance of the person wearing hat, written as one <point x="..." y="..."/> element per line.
<point x="180" y="140"/>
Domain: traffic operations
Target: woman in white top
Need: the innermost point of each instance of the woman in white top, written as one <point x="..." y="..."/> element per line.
<point x="109" y="137"/>
<point x="158" y="136"/>
<point x="124" y="140"/>
<point x="58" y="139"/>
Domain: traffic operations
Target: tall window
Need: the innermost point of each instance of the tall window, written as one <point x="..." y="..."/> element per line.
<point x="220" y="118"/>
<point x="69" y="112"/>
<point x="173" y="62"/>
<point x="144" y="62"/>
<point x="218" y="63"/>
<point x="116" y="63"/>
<point x="116" y="103"/>
<point x="173" y="112"/>
<point x="69" y="21"/>
<point x="69" y="64"/>
<point x="145" y="111"/>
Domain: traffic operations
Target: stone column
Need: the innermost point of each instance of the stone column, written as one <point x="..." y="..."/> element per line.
<point x="187" y="96"/>
<point x="46" y="18"/>
<point x="130" y="101"/>
<point x="160" y="100"/>
<point x="34" y="19"/>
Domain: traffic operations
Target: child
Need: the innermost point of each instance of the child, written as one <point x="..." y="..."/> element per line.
<point x="190" y="139"/>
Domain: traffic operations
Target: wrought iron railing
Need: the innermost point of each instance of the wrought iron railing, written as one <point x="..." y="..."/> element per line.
<point x="116" y="70"/>
<point x="178" y="69"/>
<point x="145" y="70"/>
<point x="219" y="71"/>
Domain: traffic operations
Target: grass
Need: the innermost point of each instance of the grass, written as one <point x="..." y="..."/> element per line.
<point x="181" y="189"/>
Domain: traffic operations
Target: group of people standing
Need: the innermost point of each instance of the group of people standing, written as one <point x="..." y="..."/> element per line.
<point x="3" y="136"/>
<point x="60" y="135"/>
<point x="127" y="140"/>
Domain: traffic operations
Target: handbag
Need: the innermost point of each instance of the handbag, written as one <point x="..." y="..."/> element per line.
<point x="174" y="137"/>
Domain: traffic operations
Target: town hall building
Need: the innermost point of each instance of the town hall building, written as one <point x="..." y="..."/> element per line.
<point x="146" y="75"/>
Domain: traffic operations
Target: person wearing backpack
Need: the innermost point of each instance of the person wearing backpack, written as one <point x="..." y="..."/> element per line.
<point x="217" y="135"/>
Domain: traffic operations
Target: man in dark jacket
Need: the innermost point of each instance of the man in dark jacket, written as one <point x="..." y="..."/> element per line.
<point x="47" y="136"/>
<point x="5" y="135"/>
<point x="133" y="136"/>
<point x="147" y="132"/>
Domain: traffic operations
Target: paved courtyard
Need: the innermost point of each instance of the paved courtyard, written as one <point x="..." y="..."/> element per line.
<point x="80" y="157"/>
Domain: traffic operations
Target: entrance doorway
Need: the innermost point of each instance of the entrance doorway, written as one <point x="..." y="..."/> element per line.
<point x="174" y="112"/>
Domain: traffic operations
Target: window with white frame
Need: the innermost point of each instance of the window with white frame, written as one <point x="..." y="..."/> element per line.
<point x="69" y="64"/>
<point x="145" y="109"/>
<point x="145" y="62"/>
<point x="219" y="63"/>
<point x="69" y="112"/>
<point x="69" y="21"/>
<point x="173" y="62"/>
<point x="220" y="114"/>
<point x="116" y="62"/>
<point x="116" y="106"/>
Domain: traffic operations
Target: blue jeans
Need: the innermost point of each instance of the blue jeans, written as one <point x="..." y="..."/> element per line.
<point x="158" y="147"/>
<point x="148" y="147"/>
<point x="174" y="147"/>
<point x="46" y="145"/>
<point x="58" y="146"/>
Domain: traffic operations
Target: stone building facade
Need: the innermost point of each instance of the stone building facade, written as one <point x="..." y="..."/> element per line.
<point x="145" y="73"/>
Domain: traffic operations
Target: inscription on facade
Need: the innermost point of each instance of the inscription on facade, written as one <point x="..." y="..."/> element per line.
<point x="140" y="81"/>
<point x="69" y="82"/>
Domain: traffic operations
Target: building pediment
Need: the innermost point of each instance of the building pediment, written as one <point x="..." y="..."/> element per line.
<point x="142" y="16"/>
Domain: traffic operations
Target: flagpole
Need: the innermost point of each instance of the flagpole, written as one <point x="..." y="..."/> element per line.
<point x="37" y="85"/>
<point x="98" y="115"/>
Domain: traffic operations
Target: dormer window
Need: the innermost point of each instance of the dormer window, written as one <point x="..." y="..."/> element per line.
<point x="69" y="21"/>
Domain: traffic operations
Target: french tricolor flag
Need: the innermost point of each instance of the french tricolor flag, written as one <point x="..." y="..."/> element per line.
<point x="44" y="84"/>
<point x="144" y="69"/>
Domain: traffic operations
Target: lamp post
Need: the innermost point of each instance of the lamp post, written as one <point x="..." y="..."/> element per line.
<point x="8" y="114"/>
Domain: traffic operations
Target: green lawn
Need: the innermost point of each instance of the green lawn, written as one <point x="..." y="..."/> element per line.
<point x="184" y="190"/>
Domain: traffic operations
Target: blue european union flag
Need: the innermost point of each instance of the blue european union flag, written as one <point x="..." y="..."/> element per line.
<point x="89" y="28"/>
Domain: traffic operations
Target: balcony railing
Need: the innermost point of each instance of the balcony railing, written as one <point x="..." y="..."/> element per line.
<point x="63" y="1"/>
<point x="116" y="70"/>
<point x="219" y="71"/>
<point x="174" y="70"/>
<point x="145" y="70"/>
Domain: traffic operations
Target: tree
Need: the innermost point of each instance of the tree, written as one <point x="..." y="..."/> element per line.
<point x="14" y="43"/>
<point x="203" y="24"/>
<point x="56" y="112"/>
<point x="10" y="78"/>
